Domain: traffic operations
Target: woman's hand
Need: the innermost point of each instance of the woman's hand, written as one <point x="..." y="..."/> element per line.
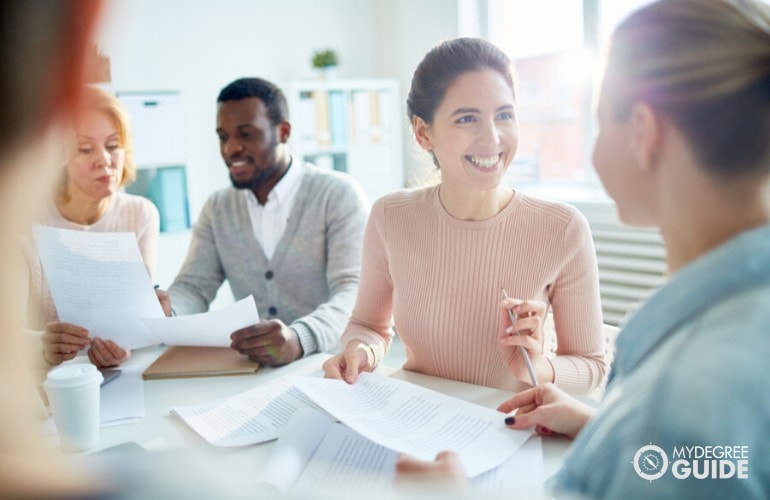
<point x="356" y="358"/>
<point x="549" y="409"/>
<point x="62" y="341"/>
<point x="445" y="472"/>
<point x="529" y="316"/>
<point x="106" y="353"/>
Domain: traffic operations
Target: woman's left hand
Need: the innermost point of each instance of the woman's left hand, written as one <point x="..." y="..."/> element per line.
<point x="529" y="325"/>
<point x="106" y="353"/>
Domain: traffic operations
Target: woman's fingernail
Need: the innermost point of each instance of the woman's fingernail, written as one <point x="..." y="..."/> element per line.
<point x="510" y="420"/>
<point x="509" y="329"/>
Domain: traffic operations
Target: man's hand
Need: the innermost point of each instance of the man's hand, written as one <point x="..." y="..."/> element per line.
<point x="165" y="301"/>
<point x="269" y="342"/>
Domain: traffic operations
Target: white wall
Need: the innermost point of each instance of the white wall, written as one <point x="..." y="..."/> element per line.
<point x="198" y="46"/>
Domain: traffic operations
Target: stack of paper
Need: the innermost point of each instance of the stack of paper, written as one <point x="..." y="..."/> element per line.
<point x="330" y="430"/>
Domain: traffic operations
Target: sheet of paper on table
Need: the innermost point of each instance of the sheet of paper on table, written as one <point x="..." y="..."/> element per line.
<point x="316" y="454"/>
<point x="247" y="418"/>
<point x="411" y="419"/>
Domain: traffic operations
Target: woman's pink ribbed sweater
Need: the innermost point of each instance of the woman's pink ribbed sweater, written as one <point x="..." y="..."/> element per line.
<point x="438" y="279"/>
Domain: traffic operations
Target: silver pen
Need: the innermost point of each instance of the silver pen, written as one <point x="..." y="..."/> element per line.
<point x="512" y="317"/>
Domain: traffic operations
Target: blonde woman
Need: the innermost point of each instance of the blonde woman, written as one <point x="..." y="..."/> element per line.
<point x="89" y="198"/>
<point x="684" y="121"/>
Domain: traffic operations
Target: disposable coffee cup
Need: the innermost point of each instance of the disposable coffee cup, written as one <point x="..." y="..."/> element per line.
<point x="73" y="395"/>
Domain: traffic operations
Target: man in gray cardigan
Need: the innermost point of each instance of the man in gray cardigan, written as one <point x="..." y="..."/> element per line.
<point x="287" y="233"/>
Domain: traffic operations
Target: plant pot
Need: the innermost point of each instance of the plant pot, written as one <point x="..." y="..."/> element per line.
<point x="326" y="73"/>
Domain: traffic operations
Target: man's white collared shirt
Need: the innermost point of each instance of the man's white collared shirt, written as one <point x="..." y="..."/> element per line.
<point x="269" y="220"/>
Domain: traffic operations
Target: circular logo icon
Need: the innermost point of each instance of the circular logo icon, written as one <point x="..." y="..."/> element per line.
<point x="650" y="462"/>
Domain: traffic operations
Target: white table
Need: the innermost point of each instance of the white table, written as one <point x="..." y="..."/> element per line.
<point x="160" y="430"/>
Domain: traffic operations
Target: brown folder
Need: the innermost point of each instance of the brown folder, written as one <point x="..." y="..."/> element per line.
<point x="186" y="361"/>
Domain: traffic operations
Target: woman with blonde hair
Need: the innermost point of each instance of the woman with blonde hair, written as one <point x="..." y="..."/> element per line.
<point x="684" y="123"/>
<point x="89" y="198"/>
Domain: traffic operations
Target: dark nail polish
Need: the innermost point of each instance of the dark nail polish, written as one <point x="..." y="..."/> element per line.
<point x="510" y="420"/>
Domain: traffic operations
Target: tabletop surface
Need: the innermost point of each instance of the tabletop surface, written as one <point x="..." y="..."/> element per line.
<point x="160" y="430"/>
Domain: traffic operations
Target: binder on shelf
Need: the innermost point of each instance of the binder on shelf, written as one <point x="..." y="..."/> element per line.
<point x="361" y="117"/>
<point x="337" y="118"/>
<point x="307" y="121"/>
<point x="385" y="101"/>
<point x="374" y="113"/>
<point x="323" y="133"/>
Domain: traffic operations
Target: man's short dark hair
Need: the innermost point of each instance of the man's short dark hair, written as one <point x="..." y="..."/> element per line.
<point x="268" y="93"/>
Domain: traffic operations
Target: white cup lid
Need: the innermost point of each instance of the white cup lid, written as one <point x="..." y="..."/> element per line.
<point x="73" y="376"/>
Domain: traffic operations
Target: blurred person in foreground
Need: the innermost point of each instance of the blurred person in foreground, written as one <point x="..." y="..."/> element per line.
<point x="44" y="45"/>
<point x="42" y="66"/>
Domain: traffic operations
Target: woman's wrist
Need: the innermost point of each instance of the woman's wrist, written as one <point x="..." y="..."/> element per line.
<point x="544" y="370"/>
<point x="371" y="358"/>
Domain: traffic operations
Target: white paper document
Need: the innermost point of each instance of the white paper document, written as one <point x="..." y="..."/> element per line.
<point x="99" y="281"/>
<point x="314" y="454"/>
<point x="295" y="446"/>
<point x="211" y="329"/>
<point x="250" y="417"/>
<point x="411" y="419"/>
<point x="122" y="399"/>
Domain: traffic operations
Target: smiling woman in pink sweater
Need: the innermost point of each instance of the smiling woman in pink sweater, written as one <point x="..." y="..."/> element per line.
<point x="435" y="259"/>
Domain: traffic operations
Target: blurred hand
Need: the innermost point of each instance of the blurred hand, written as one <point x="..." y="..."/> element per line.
<point x="446" y="472"/>
<point x="269" y="342"/>
<point x="62" y="341"/>
<point x="165" y="301"/>
<point x="529" y="325"/>
<point x="549" y="409"/>
<point x="350" y="363"/>
<point x="106" y="353"/>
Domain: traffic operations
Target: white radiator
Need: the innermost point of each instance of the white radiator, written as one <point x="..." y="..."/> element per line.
<point x="631" y="260"/>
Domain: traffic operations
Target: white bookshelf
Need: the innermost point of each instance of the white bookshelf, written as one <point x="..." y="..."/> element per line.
<point x="350" y="125"/>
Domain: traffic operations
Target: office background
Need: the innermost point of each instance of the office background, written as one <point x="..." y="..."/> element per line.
<point x="195" y="48"/>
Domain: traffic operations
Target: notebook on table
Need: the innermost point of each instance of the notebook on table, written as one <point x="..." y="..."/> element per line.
<point x="188" y="361"/>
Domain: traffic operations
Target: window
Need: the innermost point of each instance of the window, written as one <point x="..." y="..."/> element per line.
<point x="554" y="44"/>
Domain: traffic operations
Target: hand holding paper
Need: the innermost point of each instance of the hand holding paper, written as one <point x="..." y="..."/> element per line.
<point x="210" y="329"/>
<point x="269" y="342"/>
<point x="98" y="281"/>
<point x="411" y="419"/>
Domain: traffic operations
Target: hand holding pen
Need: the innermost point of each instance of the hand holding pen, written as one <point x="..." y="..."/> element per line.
<point x="522" y="329"/>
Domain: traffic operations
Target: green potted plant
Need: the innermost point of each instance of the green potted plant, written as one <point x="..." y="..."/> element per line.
<point x="325" y="61"/>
